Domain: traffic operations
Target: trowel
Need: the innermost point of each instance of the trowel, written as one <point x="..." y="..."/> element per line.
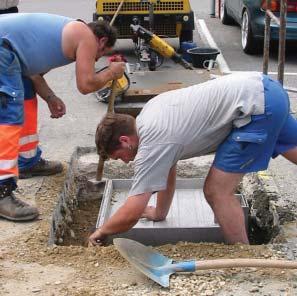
<point x="159" y="267"/>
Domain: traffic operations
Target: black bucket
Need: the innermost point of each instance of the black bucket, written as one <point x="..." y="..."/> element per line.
<point x="201" y="54"/>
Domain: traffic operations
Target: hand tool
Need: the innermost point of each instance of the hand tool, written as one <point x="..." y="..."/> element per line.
<point x="159" y="267"/>
<point x="122" y="85"/>
<point x="98" y="182"/>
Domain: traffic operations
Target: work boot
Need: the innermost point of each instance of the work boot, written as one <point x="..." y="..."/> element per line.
<point x="13" y="208"/>
<point x="42" y="168"/>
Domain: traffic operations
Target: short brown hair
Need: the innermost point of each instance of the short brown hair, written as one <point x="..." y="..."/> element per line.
<point x="104" y="29"/>
<point x="110" y="129"/>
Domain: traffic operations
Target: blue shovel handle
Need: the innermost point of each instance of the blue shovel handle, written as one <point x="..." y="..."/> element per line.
<point x="184" y="266"/>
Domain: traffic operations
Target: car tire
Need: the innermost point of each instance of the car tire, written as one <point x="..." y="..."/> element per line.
<point x="226" y="19"/>
<point x="250" y="45"/>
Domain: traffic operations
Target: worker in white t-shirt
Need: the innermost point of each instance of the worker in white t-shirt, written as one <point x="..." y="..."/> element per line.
<point x="243" y="117"/>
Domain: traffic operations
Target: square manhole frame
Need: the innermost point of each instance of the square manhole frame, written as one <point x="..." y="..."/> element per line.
<point x="164" y="235"/>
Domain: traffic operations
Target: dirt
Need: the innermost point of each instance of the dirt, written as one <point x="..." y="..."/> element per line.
<point x="84" y="223"/>
<point x="28" y="266"/>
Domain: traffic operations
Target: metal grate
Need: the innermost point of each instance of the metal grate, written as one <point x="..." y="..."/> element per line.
<point x="166" y="30"/>
<point x="143" y="6"/>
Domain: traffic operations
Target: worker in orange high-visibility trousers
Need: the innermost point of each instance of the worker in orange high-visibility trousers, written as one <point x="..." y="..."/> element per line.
<point x="25" y="156"/>
<point x="30" y="162"/>
<point x="61" y="40"/>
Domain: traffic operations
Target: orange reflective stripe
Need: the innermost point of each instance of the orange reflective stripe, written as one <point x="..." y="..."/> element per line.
<point x="3" y="177"/>
<point x="28" y="143"/>
<point x="28" y="139"/>
<point x="6" y="164"/>
<point x="9" y="150"/>
<point x="28" y="153"/>
<point x="30" y="117"/>
<point x="28" y="147"/>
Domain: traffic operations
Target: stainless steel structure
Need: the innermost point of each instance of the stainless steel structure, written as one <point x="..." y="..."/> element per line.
<point x="190" y="217"/>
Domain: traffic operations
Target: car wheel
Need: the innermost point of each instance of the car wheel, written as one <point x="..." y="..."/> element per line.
<point x="226" y="19"/>
<point x="249" y="44"/>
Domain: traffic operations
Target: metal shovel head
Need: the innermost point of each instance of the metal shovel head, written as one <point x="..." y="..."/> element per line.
<point x="146" y="260"/>
<point x="94" y="185"/>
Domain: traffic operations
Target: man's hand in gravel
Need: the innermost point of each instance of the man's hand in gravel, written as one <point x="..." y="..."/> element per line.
<point x="97" y="238"/>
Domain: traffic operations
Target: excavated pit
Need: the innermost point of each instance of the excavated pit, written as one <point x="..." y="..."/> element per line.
<point x="76" y="213"/>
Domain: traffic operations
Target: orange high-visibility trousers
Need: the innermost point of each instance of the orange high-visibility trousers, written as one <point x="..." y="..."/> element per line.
<point x="18" y="140"/>
<point x="9" y="150"/>
<point x="29" y="136"/>
<point x="11" y="112"/>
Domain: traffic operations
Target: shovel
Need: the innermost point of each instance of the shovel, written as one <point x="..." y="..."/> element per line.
<point x="98" y="182"/>
<point x="159" y="268"/>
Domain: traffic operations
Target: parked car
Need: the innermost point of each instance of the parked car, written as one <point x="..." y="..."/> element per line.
<point x="250" y="15"/>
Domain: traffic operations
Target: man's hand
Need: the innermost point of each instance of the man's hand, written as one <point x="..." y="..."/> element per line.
<point x="122" y="220"/>
<point x="117" y="58"/>
<point x="150" y="213"/>
<point x="117" y="69"/>
<point x="97" y="238"/>
<point x="56" y="106"/>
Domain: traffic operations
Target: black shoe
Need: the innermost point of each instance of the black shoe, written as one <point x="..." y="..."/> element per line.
<point x="14" y="209"/>
<point x="42" y="168"/>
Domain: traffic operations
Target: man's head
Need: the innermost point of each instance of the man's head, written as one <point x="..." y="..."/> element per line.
<point x="106" y="36"/>
<point x="116" y="137"/>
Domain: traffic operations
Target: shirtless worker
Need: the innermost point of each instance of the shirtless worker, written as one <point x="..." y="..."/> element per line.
<point x="243" y="117"/>
<point x="31" y="45"/>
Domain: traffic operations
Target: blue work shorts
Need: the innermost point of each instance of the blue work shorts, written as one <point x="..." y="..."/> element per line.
<point x="249" y="148"/>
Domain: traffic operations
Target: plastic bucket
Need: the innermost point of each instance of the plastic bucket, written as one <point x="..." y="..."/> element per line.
<point x="185" y="46"/>
<point x="201" y="54"/>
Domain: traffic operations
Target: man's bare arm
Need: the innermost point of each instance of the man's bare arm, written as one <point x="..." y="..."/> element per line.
<point x="42" y="88"/>
<point x="55" y="104"/>
<point x="124" y="218"/>
<point x="87" y="79"/>
<point x="164" y="200"/>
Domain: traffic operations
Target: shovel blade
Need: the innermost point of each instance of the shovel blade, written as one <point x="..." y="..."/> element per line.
<point x="146" y="260"/>
<point x="94" y="185"/>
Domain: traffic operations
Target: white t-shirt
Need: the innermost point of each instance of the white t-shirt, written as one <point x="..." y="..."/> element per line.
<point x="191" y="122"/>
